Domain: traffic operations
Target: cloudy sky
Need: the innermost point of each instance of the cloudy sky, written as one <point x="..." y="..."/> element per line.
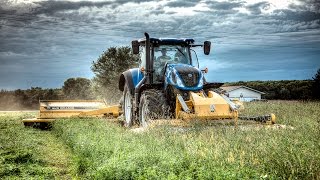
<point x="42" y="43"/>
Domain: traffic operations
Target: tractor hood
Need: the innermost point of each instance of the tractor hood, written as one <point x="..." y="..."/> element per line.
<point x="184" y="77"/>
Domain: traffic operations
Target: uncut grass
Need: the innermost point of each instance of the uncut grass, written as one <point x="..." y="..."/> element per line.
<point x="27" y="153"/>
<point x="105" y="150"/>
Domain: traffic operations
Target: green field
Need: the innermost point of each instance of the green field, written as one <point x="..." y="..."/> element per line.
<point x="98" y="149"/>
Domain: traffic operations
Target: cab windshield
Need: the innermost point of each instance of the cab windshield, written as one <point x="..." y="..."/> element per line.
<point x="171" y="54"/>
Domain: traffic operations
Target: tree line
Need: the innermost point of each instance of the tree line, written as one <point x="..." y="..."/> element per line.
<point x="115" y="60"/>
<point x="104" y="86"/>
<point x="285" y="89"/>
<point x="26" y="99"/>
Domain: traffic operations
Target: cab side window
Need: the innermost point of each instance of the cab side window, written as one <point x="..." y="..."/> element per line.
<point x="142" y="54"/>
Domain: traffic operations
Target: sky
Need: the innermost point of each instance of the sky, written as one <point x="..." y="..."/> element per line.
<point x="43" y="43"/>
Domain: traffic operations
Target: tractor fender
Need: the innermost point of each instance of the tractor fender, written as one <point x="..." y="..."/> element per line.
<point x="126" y="78"/>
<point x="130" y="77"/>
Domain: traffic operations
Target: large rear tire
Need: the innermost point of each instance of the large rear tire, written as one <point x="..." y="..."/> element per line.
<point x="153" y="105"/>
<point x="127" y="107"/>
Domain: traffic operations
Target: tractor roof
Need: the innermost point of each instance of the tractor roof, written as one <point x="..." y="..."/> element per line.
<point x="168" y="41"/>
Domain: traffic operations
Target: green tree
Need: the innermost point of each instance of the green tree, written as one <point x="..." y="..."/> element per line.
<point x="283" y="89"/>
<point x="316" y="85"/>
<point x="21" y="98"/>
<point x="284" y="93"/>
<point x="34" y="95"/>
<point x="112" y="63"/>
<point x="108" y="68"/>
<point x="51" y="94"/>
<point x="77" y="88"/>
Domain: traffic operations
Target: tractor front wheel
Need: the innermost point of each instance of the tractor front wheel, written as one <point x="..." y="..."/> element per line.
<point x="144" y="111"/>
<point x="127" y="107"/>
<point x="153" y="105"/>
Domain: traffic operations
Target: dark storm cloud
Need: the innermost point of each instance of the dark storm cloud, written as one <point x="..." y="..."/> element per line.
<point x="157" y="12"/>
<point x="4" y="11"/>
<point x="299" y="17"/>
<point x="51" y="7"/>
<point x="223" y="5"/>
<point x="302" y="16"/>
<point x="132" y="1"/>
<point x="64" y="12"/>
<point x="257" y="7"/>
<point x="10" y="15"/>
<point x="313" y="5"/>
<point x="31" y="13"/>
<point x="307" y="11"/>
<point x="182" y="3"/>
<point x="181" y="27"/>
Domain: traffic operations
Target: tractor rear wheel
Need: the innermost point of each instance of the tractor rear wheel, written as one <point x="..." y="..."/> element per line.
<point x="127" y="107"/>
<point x="153" y="105"/>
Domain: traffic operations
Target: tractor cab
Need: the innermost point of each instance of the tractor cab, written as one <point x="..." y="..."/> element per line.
<point x="165" y="54"/>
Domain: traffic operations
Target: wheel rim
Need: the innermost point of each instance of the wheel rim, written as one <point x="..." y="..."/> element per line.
<point x="128" y="107"/>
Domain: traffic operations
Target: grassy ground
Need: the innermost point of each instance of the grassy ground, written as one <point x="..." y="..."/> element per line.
<point x="98" y="149"/>
<point x="27" y="153"/>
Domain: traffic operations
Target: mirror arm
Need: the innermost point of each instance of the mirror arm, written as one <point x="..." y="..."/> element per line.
<point x="196" y="45"/>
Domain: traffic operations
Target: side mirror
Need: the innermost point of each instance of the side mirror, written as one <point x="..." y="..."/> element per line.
<point x="206" y="47"/>
<point x="205" y="70"/>
<point x="135" y="47"/>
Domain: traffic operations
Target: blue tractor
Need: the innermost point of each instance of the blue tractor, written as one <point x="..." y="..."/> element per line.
<point x="169" y="84"/>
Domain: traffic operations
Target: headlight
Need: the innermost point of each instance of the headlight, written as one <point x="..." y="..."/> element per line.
<point x="174" y="77"/>
<point x="201" y="81"/>
<point x="179" y="82"/>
